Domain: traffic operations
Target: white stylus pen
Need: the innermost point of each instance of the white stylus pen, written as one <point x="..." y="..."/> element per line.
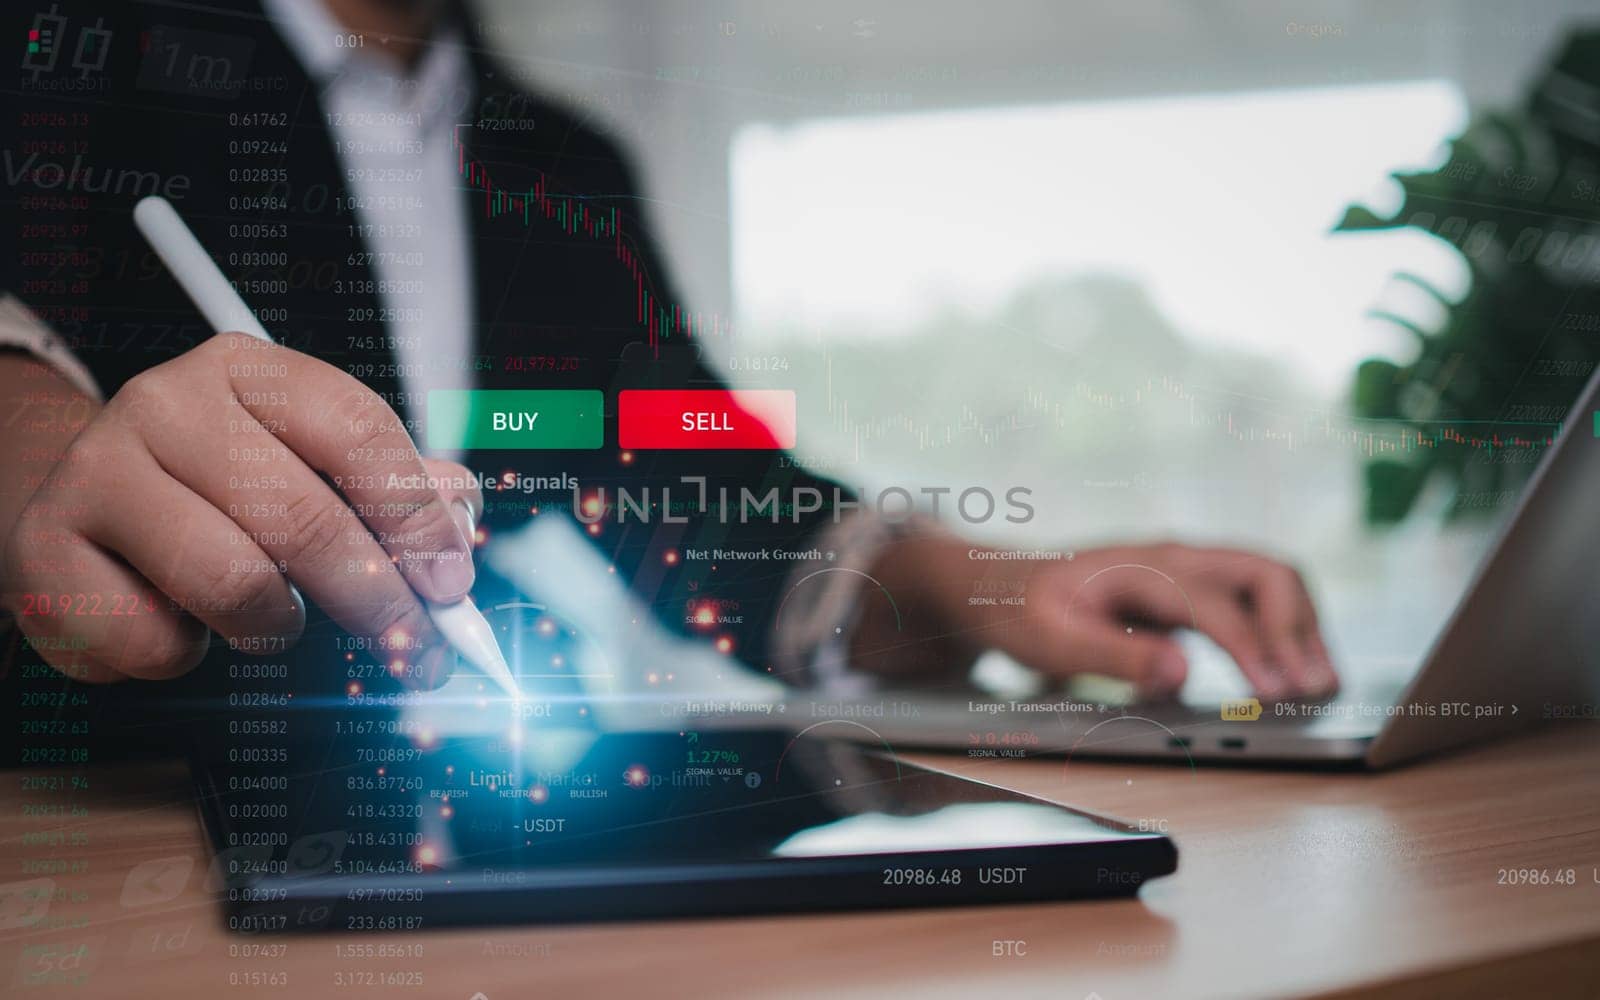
<point x="461" y="623"/>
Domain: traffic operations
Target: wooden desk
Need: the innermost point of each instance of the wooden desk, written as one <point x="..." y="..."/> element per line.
<point x="1289" y="884"/>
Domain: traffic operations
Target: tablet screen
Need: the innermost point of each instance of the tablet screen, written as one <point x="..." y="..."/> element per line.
<point x="414" y="802"/>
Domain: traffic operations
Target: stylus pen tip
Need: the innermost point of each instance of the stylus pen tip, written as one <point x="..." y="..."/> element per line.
<point x="470" y="634"/>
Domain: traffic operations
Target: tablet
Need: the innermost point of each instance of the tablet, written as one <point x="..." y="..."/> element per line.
<point x="402" y="831"/>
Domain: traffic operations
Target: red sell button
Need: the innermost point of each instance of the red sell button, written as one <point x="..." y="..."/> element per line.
<point x="705" y="418"/>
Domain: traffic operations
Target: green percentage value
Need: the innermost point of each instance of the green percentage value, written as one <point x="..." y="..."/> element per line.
<point x="713" y="756"/>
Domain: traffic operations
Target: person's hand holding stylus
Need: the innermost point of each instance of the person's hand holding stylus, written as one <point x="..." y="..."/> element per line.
<point x="209" y="488"/>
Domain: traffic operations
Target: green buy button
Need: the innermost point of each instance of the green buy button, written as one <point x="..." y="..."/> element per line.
<point x="512" y="419"/>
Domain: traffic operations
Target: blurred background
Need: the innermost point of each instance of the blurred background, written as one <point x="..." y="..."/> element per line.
<point x="1087" y="249"/>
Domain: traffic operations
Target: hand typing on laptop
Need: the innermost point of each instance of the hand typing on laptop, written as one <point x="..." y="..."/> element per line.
<point x="1106" y="610"/>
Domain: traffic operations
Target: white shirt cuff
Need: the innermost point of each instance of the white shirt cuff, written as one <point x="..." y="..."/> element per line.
<point x="822" y="601"/>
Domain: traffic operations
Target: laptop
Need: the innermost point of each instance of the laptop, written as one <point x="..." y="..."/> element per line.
<point x="1521" y="646"/>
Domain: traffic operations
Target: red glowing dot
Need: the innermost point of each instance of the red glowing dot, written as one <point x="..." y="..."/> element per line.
<point x="626" y="457"/>
<point x="427" y="854"/>
<point x="636" y="776"/>
<point x="705" y="617"/>
<point x="539" y="793"/>
<point x="354" y="687"/>
<point x="671" y="558"/>
<point x="724" y="644"/>
<point x="653" y="678"/>
<point x="446" y="812"/>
